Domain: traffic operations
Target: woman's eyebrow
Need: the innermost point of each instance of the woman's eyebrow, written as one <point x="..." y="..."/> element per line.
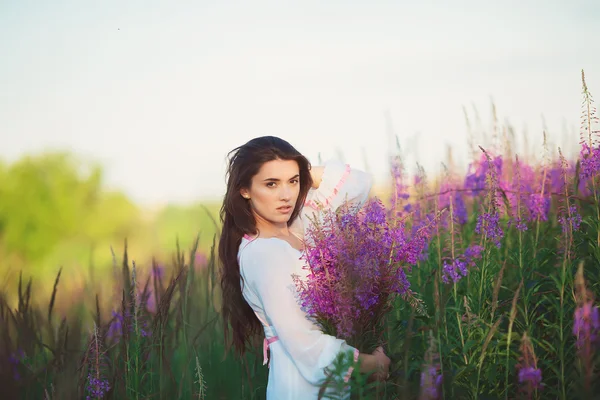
<point x="277" y="180"/>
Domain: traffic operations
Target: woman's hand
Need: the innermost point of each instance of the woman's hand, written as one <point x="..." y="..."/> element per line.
<point x="377" y="364"/>
<point x="383" y="364"/>
<point x="316" y="173"/>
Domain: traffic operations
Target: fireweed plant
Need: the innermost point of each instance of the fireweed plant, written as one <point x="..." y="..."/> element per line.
<point x="481" y="283"/>
<point x="357" y="262"/>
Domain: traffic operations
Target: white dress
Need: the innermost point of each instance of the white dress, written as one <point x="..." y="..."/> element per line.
<point x="300" y="352"/>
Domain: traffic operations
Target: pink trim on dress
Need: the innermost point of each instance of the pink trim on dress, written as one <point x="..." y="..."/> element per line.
<point x="349" y="373"/>
<point x="336" y="189"/>
<point x="266" y="344"/>
<point x="250" y="239"/>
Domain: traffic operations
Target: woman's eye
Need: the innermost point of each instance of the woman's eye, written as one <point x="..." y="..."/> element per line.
<point x="271" y="184"/>
<point x="294" y="181"/>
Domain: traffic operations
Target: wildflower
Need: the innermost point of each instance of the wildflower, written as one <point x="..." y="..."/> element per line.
<point x="356" y="261"/>
<point x="431" y="379"/>
<point x="479" y="171"/>
<point x="568" y="215"/>
<point x="150" y="301"/>
<point x="460" y="209"/>
<point x="590" y="162"/>
<point x="454" y="271"/>
<point x="398" y="200"/>
<point x="200" y="261"/>
<point x="117" y="325"/>
<point x="452" y="196"/>
<point x="472" y="253"/>
<point x="15" y="359"/>
<point x="96" y="387"/>
<point x="590" y="152"/>
<point x="587" y="324"/>
<point x="572" y="219"/>
<point x="530" y="376"/>
<point x="158" y="272"/>
<point x="538" y="206"/>
<point x="488" y="222"/>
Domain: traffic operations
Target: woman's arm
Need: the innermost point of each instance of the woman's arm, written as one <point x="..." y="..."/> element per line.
<point x="265" y="268"/>
<point x="335" y="183"/>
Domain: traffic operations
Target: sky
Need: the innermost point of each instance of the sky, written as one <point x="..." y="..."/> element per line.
<point x="159" y="92"/>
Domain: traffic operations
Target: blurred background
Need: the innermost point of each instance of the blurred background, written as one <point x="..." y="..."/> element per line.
<point x="116" y="117"/>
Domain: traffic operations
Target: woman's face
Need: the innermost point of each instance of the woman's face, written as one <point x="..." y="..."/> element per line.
<point x="273" y="192"/>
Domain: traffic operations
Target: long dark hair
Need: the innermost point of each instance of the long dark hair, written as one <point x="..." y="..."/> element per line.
<point x="237" y="220"/>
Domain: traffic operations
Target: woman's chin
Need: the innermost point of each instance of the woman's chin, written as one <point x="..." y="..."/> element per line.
<point x="280" y="219"/>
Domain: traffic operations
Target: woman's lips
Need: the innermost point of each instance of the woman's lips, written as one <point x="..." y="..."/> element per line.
<point x="285" y="209"/>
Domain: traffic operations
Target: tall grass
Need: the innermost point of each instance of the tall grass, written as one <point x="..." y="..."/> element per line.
<point x="504" y="329"/>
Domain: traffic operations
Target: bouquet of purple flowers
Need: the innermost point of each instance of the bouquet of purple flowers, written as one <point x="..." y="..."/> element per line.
<point x="357" y="259"/>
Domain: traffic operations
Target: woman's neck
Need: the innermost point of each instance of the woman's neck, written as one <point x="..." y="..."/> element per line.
<point x="274" y="232"/>
<point x="267" y="229"/>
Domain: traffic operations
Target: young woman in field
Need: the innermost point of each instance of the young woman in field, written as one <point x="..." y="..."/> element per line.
<point x="271" y="192"/>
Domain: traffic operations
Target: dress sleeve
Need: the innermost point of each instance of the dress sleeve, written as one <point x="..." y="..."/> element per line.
<point x="339" y="183"/>
<point x="268" y="271"/>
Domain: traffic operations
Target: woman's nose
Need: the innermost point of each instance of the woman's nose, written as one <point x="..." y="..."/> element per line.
<point x="286" y="192"/>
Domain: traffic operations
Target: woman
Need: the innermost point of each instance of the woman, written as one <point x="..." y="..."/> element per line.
<point x="271" y="193"/>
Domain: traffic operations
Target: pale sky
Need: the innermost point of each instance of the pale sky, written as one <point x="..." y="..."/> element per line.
<point x="160" y="91"/>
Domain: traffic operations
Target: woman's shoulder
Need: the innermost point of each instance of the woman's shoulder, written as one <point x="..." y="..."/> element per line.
<point x="264" y="253"/>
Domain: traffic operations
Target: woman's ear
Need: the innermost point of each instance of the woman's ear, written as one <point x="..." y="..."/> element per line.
<point x="245" y="194"/>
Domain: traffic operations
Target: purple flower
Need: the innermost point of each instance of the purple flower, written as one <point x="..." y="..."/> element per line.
<point x="96" y="387"/>
<point x="460" y="209"/>
<point x="356" y="262"/>
<point x="572" y="218"/>
<point x="454" y="271"/>
<point x="430" y="383"/>
<point x="531" y="375"/>
<point x="586" y="325"/>
<point x="478" y="172"/>
<point x="158" y="272"/>
<point x="201" y="261"/>
<point x="116" y="327"/>
<point x="431" y="379"/>
<point x="473" y="253"/>
<point x="489" y="223"/>
<point x="519" y="224"/>
<point x="15" y="359"/>
<point x="590" y="162"/>
<point x="400" y="194"/>
<point x="538" y="206"/>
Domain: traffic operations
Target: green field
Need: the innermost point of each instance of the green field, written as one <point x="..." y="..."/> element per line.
<point x="144" y="322"/>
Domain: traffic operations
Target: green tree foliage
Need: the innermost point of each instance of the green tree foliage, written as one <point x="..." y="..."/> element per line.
<point x="52" y="198"/>
<point x="184" y="223"/>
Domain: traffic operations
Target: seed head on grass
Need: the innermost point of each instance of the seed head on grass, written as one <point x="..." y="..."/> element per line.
<point x="399" y="204"/>
<point x="589" y="136"/>
<point x="201" y="382"/>
<point x="96" y="385"/>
